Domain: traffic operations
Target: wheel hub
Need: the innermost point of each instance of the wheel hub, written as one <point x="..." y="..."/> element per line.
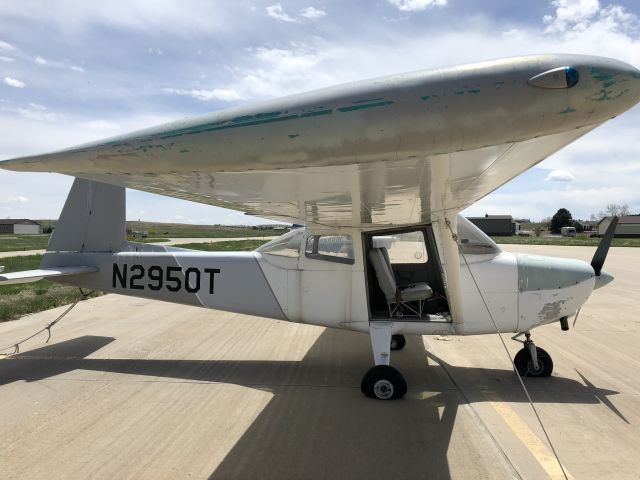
<point x="532" y="368"/>
<point x="383" y="389"/>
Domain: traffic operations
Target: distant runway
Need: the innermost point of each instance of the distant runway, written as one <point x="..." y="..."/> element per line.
<point x="131" y="388"/>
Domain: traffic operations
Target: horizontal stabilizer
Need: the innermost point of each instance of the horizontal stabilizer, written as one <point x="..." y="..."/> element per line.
<point x="28" y="276"/>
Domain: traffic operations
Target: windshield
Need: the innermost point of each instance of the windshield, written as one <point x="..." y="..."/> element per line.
<point x="474" y="241"/>
<point x="288" y="245"/>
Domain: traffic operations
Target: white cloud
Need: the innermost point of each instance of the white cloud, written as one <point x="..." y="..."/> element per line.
<point x="157" y="17"/>
<point x="12" y="82"/>
<point x="18" y="199"/>
<point x="416" y="5"/>
<point x="312" y="12"/>
<point x="560" y="176"/>
<point x="36" y="112"/>
<point x="276" y="11"/>
<point x="571" y="13"/>
<point x="6" y="46"/>
<point x="223" y="94"/>
<point x="6" y="59"/>
<point x="77" y="68"/>
<point x="41" y="61"/>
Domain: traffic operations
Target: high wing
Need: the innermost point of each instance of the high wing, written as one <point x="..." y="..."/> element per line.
<point x="388" y="151"/>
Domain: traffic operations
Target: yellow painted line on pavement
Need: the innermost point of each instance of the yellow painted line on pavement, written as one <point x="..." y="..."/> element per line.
<point x="537" y="447"/>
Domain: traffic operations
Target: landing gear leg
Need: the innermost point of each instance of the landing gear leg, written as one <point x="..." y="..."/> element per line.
<point x="382" y="382"/>
<point x="532" y="361"/>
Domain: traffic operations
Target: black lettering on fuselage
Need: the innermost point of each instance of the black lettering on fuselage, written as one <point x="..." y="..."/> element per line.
<point x="120" y="275"/>
<point x="211" y="272"/>
<point x="162" y="278"/>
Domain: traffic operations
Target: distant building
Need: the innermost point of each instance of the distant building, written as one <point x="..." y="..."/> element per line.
<point x="586" y="225"/>
<point x="20" y="226"/>
<point x="497" y="225"/>
<point x="628" y="226"/>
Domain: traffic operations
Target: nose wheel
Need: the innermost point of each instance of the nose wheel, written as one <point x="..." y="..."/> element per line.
<point x="532" y="361"/>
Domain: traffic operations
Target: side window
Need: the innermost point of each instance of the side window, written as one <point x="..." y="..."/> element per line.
<point x="331" y="248"/>
<point x="404" y="248"/>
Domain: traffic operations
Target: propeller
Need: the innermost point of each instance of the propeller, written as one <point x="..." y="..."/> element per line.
<point x="603" y="247"/>
<point x="599" y="257"/>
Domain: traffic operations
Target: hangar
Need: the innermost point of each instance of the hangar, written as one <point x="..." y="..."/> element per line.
<point x="20" y="226"/>
<point x="628" y="226"/>
<point x="497" y="225"/>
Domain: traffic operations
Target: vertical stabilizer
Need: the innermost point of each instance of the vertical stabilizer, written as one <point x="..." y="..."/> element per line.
<point x="93" y="219"/>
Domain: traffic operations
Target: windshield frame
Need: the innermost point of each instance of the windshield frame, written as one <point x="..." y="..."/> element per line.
<point x="473" y="241"/>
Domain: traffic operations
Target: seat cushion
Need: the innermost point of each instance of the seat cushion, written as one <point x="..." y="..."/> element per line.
<point x="418" y="291"/>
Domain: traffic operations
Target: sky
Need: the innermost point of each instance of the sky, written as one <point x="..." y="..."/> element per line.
<point x="72" y="71"/>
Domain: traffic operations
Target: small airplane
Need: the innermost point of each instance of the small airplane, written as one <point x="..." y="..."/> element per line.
<point x="378" y="172"/>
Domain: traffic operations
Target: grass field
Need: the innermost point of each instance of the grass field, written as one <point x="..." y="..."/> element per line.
<point x="581" y="240"/>
<point x="11" y="243"/>
<point x="25" y="298"/>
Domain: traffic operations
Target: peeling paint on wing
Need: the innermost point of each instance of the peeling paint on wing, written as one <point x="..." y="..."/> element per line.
<point x="569" y="109"/>
<point x="362" y="106"/>
<point x="599" y="75"/>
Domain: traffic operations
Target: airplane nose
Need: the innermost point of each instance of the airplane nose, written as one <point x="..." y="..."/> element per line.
<point x="603" y="279"/>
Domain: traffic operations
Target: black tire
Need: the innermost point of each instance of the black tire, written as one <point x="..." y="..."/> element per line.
<point x="398" y="342"/>
<point x="524" y="364"/>
<point x="383" y="382"/>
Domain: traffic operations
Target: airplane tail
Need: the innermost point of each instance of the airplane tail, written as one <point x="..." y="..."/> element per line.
<point x="92" y="220"/>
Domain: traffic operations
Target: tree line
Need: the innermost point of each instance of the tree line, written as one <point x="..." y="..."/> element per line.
<point x="563" y="217"/>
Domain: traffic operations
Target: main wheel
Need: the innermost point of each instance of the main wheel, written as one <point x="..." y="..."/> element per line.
<point x="398" y="342"/>
<point x="384" y="383"/>
<point x="524" y="363"/>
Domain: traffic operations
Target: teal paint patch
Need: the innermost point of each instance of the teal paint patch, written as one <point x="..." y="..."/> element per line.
<point x="604" y="95"/>
<point x="268" y="115"/>
<point x="567" y="110"/>
<point x="425" y="97"/>
<point x="244" y="118"/>
<point x="608" y="84"/>
<point x="184" y="151"/>
<point x="474" y="90"/>
<point x="549" y="273"/>
<point x="635" y="75"/>
<point x="368" y="100"/>
<point x="351" y="108"/>
<point x="317" y="113"/>
<point x="459" y="92"/>
<point x="293" y="135"/>
<point x="599" y="75"/>
<point x="237" y="122"/>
